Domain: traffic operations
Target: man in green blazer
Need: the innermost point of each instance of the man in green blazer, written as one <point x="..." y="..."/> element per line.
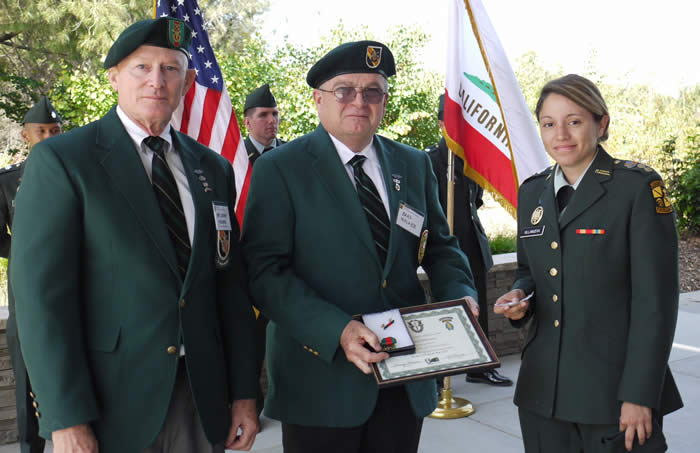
<point x="323" y="243"/>
<point x="131" y="290"/>
<point x="39" y="123"/>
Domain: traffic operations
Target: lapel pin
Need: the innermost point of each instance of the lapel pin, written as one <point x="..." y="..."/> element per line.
<point x="537" y="215"/>
<point x="397" y="182"/>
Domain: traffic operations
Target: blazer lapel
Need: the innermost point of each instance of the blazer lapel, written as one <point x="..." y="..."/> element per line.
<point x="203" y="211"/>
<point x="122" y="163"/>
<point x="332" y="174"/>
<point x="590" y="188"/>
<point x="391" y="165"/>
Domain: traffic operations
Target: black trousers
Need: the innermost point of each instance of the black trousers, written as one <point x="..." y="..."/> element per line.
<point x="549" y="435"/>
<point x="392" y="428"/>
<point x="27" y="424"/>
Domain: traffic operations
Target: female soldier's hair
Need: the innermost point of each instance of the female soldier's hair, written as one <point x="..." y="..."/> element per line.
<point x="579" y="90"/>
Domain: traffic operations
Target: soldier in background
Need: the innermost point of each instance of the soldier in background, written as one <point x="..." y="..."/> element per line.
<point x="39" y="123"/>
<point x="469" y="232"/>
<point x="262" y="119"/>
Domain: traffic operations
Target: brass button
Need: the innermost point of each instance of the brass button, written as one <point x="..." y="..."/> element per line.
<point x="37" y="414"/>
<point x="306" y="348"/>
<point x="36" y="405"/>
<point x="556" y="323"/>
<point x="555" y="245"/>
<point x="172" y="350"/>
<point x="31" y="395"/>
<point x="182" y="303"/>
<point x="316" y="353"/>
<point x="555" y="297"/>
<point x="553" y="272"/>
<point x="384" y="284"/>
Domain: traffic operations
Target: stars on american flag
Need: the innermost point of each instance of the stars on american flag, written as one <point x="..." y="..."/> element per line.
<point x="200" y="49"/>
<point x="186" y="18"/>
<point x="207" y="64"/>
<point x="215" y="79"/>
<point x="197" y="11"/>
<point x="173" y="8"/>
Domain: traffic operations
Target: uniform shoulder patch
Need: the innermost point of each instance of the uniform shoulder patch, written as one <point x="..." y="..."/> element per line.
<point x="633" y="165"/>
<point x="660" y="194"/>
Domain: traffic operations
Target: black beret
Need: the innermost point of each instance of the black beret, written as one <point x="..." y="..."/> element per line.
<point x="352" y="58"/>
<point x="42" y="112"/>
<point x="165" y="32"/>
<point x="441" y="107"/>
<point x="260" y="97"/>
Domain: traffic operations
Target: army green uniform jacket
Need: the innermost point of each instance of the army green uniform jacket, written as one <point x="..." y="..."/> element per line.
<point x="313" y="264"/>
<point x="605" y="278"/>
<point x="102" y="307"/>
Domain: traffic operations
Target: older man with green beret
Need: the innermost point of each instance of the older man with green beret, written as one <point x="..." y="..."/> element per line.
<point x="39" y="123"/>
<point x="131" y="290"/>
<point x="323" y="242"/>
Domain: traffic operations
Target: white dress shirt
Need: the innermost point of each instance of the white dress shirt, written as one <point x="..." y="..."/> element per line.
<point x="172" y="158"/>
<point x="371" y="166"/>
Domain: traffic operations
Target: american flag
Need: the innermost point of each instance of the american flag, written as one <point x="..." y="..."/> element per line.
<point x="205" y="112"/>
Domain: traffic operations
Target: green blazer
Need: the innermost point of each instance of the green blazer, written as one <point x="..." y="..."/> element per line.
<point x="100" y="301"/>
<point x="313" y="264"/>
<point x="605" y="305"/>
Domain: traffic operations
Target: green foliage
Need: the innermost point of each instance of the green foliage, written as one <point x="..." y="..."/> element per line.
<point x="411" y="110"/>
<point x="502" y="243"/>
<point x="81" y="98"/>
<point x="684" y="180"/>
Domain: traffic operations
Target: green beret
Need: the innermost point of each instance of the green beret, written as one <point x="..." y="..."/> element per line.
<point x="441" y="107"/>
<point x="260" y="97"/>
<point x="165" y="32"/>
<point x="352" y="58"/>
<point x="42" y="112"/>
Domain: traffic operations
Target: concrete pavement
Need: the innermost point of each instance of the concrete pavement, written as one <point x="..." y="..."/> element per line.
<point x="495" y="427"/>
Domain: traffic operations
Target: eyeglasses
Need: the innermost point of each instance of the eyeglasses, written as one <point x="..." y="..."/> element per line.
<point x="346" y="95"/>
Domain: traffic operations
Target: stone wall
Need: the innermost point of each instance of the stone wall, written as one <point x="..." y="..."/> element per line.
<point x="8" y="414"/>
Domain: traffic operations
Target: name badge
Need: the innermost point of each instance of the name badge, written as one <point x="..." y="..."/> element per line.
<point x="222" y="219"/>
<point x="532" y="231"/>
<point x="410" y="219"/>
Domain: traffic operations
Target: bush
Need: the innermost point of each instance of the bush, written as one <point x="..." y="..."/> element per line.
<point x="502" y="244"/>
<point x="684" y="182"/>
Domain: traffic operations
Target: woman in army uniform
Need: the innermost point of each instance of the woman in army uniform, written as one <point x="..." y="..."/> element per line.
<point x="597" y="246"/>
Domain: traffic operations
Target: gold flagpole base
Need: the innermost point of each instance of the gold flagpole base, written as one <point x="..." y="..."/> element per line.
<point x="449" y="407"/>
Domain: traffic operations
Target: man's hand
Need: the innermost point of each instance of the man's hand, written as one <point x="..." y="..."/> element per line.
<point x="473" y="306"/>
<point x="353" y="340"/>
<point x="245" y="418"/>
<point x="635" y="419"/>
<point x="513" y="312"/>
<point x="76" y="439"/>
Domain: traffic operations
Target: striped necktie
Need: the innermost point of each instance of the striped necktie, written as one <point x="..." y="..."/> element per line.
<point x="373" y="207"/>
<point x="168" y="197"/>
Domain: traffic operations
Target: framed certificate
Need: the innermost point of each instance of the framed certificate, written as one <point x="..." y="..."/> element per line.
<point x="448" y="340"/>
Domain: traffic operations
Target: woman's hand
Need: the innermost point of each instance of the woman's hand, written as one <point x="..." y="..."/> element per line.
<point x="635" y="419"/>
<point x="517" y="310"/>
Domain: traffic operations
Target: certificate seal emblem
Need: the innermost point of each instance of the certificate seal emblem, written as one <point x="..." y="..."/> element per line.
<point x="416" y="325"/>
<point x="537" y="215"/>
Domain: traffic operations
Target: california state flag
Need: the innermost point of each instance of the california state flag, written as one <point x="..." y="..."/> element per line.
<point x="487" y="121"/>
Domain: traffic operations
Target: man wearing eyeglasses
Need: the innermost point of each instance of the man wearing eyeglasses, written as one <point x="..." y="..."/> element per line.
<point x="323" y="241"/>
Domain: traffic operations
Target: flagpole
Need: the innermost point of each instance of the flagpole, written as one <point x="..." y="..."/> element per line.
<point x="450" y="407"/>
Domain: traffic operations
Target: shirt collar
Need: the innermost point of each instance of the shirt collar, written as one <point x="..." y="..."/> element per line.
<point x="346" y="154"/>
<point x="137" y="134"/>
<point x="259" y="146"/>
<point x="560" y="180"/>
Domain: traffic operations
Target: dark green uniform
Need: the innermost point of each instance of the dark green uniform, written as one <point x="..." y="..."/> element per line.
<point x="27" y="426"/>
<point x="605" y="277"/>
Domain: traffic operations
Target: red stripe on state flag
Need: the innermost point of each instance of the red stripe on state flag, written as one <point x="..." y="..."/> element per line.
<point x="480" y="154"/>
<point x="243" y="196"/>
<point x="187" y="108"/>
<point x="211" y="106"/>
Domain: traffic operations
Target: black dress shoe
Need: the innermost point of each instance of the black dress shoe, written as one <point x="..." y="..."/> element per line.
<point x="491" y="377"/>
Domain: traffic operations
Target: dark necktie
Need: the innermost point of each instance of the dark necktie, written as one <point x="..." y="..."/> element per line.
<point x="168" y="197"/>
<point x="563" y="196"/>
<point x="373" y="207"/>
<point x="267" y="148"/>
